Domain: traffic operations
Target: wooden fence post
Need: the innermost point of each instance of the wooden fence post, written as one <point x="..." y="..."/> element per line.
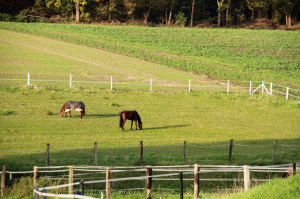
<point x="184" y="152"/>
<point x="71" y="173"/>
<point x="82" y="187"/>
<point x="287" y="93"/>
<point x="141" y="152"/>
<point x="227" y="86"/>
<point x="95" y="154"/>
<point x="3" y="180"/>
<point x="36" y="196"/>
<point x="262" y="87"/>
<point x="107" y="189"/>
<point x="250" y="87"/>
<point x="28" y="79"/>
<point x="149" y="182"/>
<point x="271" y="88"/>
<point x="47" y="155"/>
<point x="189" y="85"/>
<point x="70" y="80"/>
<point x="246" y="178"/>
<point x="196" y="181"/>
<point x="294" y="168"/>
<point x="181" y="185"/>
<point x="111" y="83"/>
<point x="230" y="149"/>
<point x="274" y="150"/>
<point x="35" y="175"/>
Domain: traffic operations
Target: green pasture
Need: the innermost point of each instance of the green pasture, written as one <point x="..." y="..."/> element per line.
<point x="206" y="120"/>
<point x="235" y="54"/>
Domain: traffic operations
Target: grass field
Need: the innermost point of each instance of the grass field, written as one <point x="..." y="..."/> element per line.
<point x="234" y="54"/>
<point x="29" y="116"/>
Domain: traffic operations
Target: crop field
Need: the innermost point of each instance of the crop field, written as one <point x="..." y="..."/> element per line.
<point x="29" y="116"/>
<point x="213" y="53"/>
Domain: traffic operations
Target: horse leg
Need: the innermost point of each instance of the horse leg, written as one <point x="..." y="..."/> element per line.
<point x="135" y="125"/>
<point x="81" y="113"/>
<point x="70" y="114"/>
<point x="131" y="124"/>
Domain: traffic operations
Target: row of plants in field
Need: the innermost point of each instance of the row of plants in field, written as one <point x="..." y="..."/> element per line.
<point x="235" y="54"/>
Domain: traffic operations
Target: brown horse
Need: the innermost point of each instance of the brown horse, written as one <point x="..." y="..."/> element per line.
<point x="70" y="105"/>
<point x="130" y="115"/>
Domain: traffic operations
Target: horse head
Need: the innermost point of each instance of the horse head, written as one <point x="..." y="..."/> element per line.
<point x="140" y="125"/>
<point x="62" y="110"/>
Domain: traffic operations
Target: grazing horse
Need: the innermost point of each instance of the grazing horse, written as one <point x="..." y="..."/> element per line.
<point x="70" y="105"/>
<point x="130" y="115"/>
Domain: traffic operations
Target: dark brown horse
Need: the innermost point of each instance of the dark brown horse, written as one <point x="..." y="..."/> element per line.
<point x="70" y="105"/>
<point x="130" y="115"/>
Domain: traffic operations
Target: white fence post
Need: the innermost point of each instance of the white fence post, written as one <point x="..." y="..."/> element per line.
<point x="28" y="79"/>
<point x="151" y="84"/>
<point x="250" y="88"/>
<point x="111" y="83"/>
<point x="189" y="85"/>
<point x="262" y="87"/>
<point x="271" y="88"/>
<point x="287" y="93"/>
<point x="70" y="80"/>
<point x="246" y="178"/>
<point x="227" y="86"/>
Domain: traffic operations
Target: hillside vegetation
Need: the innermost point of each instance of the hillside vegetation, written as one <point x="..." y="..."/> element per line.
<point x="234" y="54"/>
<point x="275" y="189"/>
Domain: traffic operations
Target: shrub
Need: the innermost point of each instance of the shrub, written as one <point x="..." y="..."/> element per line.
<point x="6" y="17"/>
<point x="180" y="19"/>
<point x="6" y="112"/>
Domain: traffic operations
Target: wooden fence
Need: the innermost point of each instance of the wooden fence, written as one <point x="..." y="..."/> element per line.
<point x="75" y="175"/>
<point x="225" y="86"/>
<point x="184" y="152"/>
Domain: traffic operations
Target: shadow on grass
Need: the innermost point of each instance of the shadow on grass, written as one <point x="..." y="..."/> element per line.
<point x="102" y="115"/>
<point x="166" y="127"/>
<point x="252" y="152"/>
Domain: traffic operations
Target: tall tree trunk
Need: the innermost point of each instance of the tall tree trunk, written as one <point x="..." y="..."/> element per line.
<point x="170" y="14"/>
<point x="220" y="4"/>
<point x="77" y="11"/>
<point x="166" y="17"/>
<point x="108" y="11"/>
<point x="228" y="15"/>
<point x="147" y="13"/>
<point x="219" y="18"/>
<point x="192" y="13"/>
<point x="289" y="19"/>
<point x="286" y="19"/>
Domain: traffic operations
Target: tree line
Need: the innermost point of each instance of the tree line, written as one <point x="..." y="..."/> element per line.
<point x="163" y="12"/>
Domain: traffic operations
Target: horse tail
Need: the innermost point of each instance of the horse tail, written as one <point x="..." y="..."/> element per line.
<point x="121" y="119"/>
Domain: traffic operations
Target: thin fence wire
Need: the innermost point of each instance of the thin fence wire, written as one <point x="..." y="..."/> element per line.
<point x="149" y="85"/>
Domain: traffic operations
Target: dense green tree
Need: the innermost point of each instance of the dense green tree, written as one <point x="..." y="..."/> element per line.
<point x="220" y="12"/>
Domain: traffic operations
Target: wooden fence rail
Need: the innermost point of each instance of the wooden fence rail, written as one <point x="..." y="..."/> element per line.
<point x="226" y="87"/>
<point x="141" y="152"/>
<point x="180" y="170"/>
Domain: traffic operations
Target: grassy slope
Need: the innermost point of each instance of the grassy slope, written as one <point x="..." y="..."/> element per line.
<point x="275" y="189"/>
<point x="218" y="53"/>
<point x="205" y="121"/>
<point x="169" y="119"/>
